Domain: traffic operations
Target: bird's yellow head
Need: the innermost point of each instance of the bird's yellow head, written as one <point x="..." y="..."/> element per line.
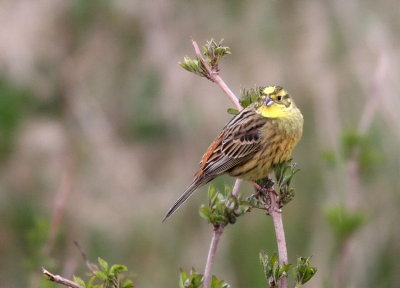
<point x="274" y="102"/>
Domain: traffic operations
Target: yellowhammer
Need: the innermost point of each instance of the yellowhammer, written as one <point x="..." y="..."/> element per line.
<point x="259" y="137"/>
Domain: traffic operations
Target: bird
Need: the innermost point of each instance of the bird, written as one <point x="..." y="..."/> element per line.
<point x="259" y="137"/>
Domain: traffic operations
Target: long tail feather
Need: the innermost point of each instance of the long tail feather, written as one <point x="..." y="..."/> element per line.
<point x="188" y="192"/>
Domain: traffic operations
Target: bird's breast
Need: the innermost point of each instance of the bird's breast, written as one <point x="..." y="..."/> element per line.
<point x="280" y="136"/>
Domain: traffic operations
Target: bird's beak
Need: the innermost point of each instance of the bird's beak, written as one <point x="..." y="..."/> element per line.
<point x="269" y="101"/>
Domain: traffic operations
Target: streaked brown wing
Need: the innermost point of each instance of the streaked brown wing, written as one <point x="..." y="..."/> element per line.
<point x="242" y="136"/>
<point x="239" y="140"/>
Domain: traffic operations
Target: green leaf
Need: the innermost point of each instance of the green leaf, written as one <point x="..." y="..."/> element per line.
<point x="79" y="281"/>
<point x="330" y="158"/>
<point x="194" y="64"/>
<point x="223" y="208"/>
<point x="205" y="213"/>
<point x="249" y="96"/>
<point x="194" y="280"/>
<point x="245" y="102"/>
<point x="227" y="190"/>
<point x="273" y="271"/>
<point x="215" y="283"/>
<point x="182" y="278"/>
<point x="127" y="284"/>
<point x="304" y="272"/>
<point x="190" y="65"/>
<point x="275" y="267"/>
<point x="273" y="260"/>
<point x="343" y="222"/>
<point x="101" y="275"/>
<point x="184" y="64"/>
<point x="191" y="280"/>
<point x="350" y="141"/>
<point x="214" y="53"/>
<point x="232" y="111"/>
<point x="219" y="219"/>
<point x="284" y="269"/>
<point x="103" y="264"/>
<point x="212" y="195"/>
<point x="284" y="172"/>
<point x="117" y="269"/>
<point x="91" y="281"/>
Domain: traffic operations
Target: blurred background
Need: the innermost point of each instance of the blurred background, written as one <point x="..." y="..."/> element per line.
<point x="101" y="130"/>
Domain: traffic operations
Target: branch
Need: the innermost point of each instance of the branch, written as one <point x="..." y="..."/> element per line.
<point x="217" y="232"/>
<point x="274" y="207"/>
<point x="59" y="279"/>
<point x="236" y="187"/>
<point x="276" y="214"/>
<point x="214" y="77"/>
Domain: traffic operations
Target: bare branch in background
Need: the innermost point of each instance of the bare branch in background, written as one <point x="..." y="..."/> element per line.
<point x="60" y="203"/>
<point x="59" y="208"/>
<point x="92" y="267"/>
<point x="353" y="164"/>
<point x="366" y="119"/>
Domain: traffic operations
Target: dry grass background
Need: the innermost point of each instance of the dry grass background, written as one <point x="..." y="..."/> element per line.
<point x="99" y="124"/>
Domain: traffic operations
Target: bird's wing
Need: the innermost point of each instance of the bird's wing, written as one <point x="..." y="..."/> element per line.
<point x="242" y="135"/>
<point x="238" y="141"/>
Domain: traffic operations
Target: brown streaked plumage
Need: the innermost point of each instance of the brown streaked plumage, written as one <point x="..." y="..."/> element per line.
<point x="259" y="137"/>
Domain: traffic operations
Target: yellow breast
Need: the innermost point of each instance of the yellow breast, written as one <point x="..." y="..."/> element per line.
<point x="273" y="111"/>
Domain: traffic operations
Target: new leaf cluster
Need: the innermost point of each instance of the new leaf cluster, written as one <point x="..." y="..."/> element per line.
<point x="193" y="279"/>
<point x="273" y="271"/>
<point x="106" y="276"/>
<point x="213" y="52"/>
<point x="223" y="208"/>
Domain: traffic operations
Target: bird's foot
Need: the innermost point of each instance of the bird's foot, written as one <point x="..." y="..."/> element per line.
<point x="265" y="192"/>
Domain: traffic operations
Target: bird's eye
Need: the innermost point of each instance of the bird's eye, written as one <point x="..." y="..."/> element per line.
<point x="279" y="98"/>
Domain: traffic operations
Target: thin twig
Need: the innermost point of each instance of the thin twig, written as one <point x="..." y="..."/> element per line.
<point x="216" y="78"/>
<point x="92" y="267"/>
<point x="217" y="232"/>
<point x="59" y="279"/>
<point x="236" y="187"/>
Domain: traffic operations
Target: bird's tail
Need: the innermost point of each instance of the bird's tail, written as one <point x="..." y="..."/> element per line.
<point x="188" y="192"/>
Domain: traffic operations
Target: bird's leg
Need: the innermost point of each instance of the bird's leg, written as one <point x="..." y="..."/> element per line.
<point x="264" y="188"/>
<point x="263" y="185"/>
<point x="264" y="192"/>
